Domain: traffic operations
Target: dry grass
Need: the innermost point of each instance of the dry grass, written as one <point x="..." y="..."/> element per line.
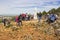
<point x="30" y="30"/>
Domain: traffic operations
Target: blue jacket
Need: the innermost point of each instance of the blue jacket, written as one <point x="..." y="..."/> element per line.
<point x="52" y="17"/>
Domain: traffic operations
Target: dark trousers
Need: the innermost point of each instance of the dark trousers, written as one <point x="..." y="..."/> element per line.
<point x="4" y="23"/>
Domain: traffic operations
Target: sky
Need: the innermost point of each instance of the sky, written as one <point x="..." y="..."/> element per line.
<point x="16" y="7"/>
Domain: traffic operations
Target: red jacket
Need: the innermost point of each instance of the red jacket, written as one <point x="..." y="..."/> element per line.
<point x="23" y="15"/>
<point x="16" y="18"/>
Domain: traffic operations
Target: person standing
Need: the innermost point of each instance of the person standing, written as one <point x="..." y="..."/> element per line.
<point x="4" y="21"/>
<point x="16" y="19"/>
<point x="39" y="15"/>
<point x="19" y="20"/>
<point x="26" y="17"/>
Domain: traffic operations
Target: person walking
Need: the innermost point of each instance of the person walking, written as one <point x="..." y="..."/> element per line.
<point x="39" y="15"/>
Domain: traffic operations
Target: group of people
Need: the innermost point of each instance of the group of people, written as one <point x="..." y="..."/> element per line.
<point x="7" y="21"/>
<point x="18" y="19"/>
<point x="50" y="17"/>
<point x="21" y="18"/>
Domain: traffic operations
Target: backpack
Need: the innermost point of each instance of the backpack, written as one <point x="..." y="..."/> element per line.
<point x="52" y="17"/>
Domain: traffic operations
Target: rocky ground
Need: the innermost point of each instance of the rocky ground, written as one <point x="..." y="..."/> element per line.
<point x="30" y="30"/>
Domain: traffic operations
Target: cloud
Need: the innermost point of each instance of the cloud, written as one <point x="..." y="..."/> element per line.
<point x="20" y="6"/>
<point x="53" y="3"/>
